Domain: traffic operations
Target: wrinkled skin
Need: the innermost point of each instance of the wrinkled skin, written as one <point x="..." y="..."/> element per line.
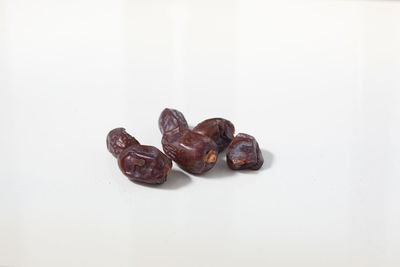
<point x="220" y="130"/>
<point x="171" y="119"/>
<point x="244" y="153"/>
<point x="193" y="152"/>
<point x="144" y="164"/>
<point x="118" y="139"/>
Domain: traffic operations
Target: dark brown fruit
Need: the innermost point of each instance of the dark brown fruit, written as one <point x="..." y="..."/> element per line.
<point x="244" y="153"/>
<point x="193" y="152"/>
<point x="218" y="129"/>
<point x="118" y="139"/>
<point x="171" y="119"/>
<point x="144" y="164"/>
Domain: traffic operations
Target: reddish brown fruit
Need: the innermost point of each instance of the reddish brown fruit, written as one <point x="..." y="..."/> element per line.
<point x="221" y="131"/>
<point x="144" y="164"/>
<point x="118" y="139"/>
<point x="244" y="153"/>
<point x="192" y="151"/>
<point x="171" y="119"/>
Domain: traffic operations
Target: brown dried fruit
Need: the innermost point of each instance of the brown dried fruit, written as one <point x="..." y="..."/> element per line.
<point x="220" y="130"/>
<point x="244" y="153"/>
<point x="118" y="139"/>
<point x="171" y="119"/>
<point x="192" y="151"/>
<point x="144" y="164"/>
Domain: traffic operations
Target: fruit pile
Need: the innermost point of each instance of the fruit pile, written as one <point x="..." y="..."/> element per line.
<point x="195" y="151"/>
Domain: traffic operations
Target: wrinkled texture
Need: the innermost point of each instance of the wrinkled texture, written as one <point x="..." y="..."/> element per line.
<point x="118" y="139"/>
<point x="220" y="130"/>
<point x="171" y="119"/>
<point x="244" y="153"/>
<point x="144" y="164"/>
<point x="192" y="151"/>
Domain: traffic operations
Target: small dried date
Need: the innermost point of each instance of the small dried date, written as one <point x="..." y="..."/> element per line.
<point x="220" y="130"/>
<point x="244" y="153"/>
<point x="193" y="152"/>
<point x="144" y="164"/>
<point x="171" y="119"/>
<point x="118" y="139"/>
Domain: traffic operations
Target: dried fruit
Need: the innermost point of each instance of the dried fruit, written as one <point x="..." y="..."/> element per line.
<point x="144" y="164"/>
<point x="220" y="130"/>
<point x="192" y="151"/>
<point x="171" y="119"/>
<point x="244" y="153"/>
<point x="118" y="139"/>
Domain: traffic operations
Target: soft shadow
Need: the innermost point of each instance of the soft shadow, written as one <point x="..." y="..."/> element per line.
<point x="268" y="160"/>
<point x="220" y="170"/>
<point x="175" y="179"/>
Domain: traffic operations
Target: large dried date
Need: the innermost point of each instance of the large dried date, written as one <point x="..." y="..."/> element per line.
<point x="144" y="164"/>
<point x="193" y="152"/>
<point x="118" y="139"/>
<point x="220" y="130"/>
<point x="244" y="153"/>
<point x="171" y="119"/>
<point x="139" y="163"/>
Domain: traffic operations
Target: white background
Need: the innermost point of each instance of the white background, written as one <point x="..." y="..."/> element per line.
<point x="316" y="82"/>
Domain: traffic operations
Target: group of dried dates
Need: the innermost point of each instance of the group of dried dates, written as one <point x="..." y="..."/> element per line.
<point x="195" y="151"/>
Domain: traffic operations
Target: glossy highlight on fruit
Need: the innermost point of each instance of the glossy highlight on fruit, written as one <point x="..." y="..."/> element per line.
<point x="244" y="153"/>
<point x="193" y="152"/>
<point x="144" y="164"/>
<point x="171" y="119"/>
<point x="218" y="129"/>
<point x="118" y="139"/>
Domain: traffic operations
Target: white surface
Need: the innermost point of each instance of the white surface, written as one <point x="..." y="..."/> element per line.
<point x="317" y="83"/>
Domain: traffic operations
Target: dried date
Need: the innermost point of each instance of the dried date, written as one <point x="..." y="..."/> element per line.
<point x="144" y="164"/>
<point x="171" y="119"/>
<point x="192" y="151"/>
<point x="118" y="139"/>
<point x="220" y="130"/>
<point x="244" y="153"/>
